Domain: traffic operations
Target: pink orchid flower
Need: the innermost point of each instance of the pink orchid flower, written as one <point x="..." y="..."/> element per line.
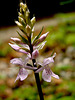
<point x="23" y="73"/>
<point x="47" y="72"/>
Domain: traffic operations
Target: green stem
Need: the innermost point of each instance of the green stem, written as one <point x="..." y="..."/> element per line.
<point x="39" y="86"/>
<point x="36" y="74"/>
<point x="38" y="82"/>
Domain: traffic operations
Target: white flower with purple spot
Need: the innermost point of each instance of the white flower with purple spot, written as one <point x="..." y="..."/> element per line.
<point x="47" y="72"/>
<point x="23" y="73"/>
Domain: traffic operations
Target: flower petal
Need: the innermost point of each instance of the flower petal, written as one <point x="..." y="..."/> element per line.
<point x="15" y="39"/>
<point x="26" y="60"/>
<point x="54" y="75"/>
<point x="39" y="46"/>
<point x="54" y="55"/>
<point x="22" y="51"/>
<point x="17" y="48"/>
<point x="40" y="69"/>
<point x="17" y="78"/>
<point x="39" y="63"/>
<point x="42" y="38"/>
<point x="14" y="46"/>
<point x="23" y="74"/>
<point x="46" y="75"/>
<point x="49" y="60"/>
<point x="25" y="46"/>
<point x="17" y="61"/>
<point x="35" y="53"/>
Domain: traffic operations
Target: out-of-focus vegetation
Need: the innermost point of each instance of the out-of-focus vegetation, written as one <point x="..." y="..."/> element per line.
<point x="4" y="50"/>
<point x="66" y="2"/>
<point x="62" y="39"/>
<point x="64" y="32"/>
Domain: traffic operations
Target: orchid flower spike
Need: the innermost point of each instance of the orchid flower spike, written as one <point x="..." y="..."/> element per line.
<point x="22" y="75"/>
<point x="47" y="73"/>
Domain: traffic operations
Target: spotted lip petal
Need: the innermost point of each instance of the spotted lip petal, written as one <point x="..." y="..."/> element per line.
<point x="46" y="75"/>
<point x="22" y="75"/>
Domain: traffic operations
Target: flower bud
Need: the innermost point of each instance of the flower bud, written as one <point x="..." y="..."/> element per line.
<point x="28" y="29"/>
<point x="33" y="20"/>
<point x="14" y="46"/>
<point x="35" y="53"/>
<point x="33" y="29"/>
<point x="15" y="39"/>
<point x="21" y="10"/>
<point x="23" y="7"/>
<point x="19" y="25"/>
<point x="42" y="38"/>
<point x="21" y="4"/>
<point x="20" y="19"/>
<point x="27" y="14"/>
<point x="20" y="14"/>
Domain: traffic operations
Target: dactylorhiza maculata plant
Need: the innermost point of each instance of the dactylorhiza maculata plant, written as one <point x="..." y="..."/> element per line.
<point x="30" y="47"/>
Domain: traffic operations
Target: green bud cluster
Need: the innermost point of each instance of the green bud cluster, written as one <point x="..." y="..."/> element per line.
<point x="24" y="22"/>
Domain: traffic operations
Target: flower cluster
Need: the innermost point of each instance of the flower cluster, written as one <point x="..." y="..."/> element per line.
<point x="30" y="47"/>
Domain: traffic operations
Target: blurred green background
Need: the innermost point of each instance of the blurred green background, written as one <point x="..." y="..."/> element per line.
<point x="61" y="39"/>
<point x="57" y="17"/>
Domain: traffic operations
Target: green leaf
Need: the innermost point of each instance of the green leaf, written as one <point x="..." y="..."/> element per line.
<point x="39" y="34"/>
<point x="66" y="2"/>
<point x="24" y="24"/>
<point x="52" y="53"/>
<point x="24" y="32"/>
<point x="23" y="39"/>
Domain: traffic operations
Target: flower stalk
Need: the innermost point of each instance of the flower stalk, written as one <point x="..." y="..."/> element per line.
<point x="30" y="47"/>
<point x="37" y="76"/>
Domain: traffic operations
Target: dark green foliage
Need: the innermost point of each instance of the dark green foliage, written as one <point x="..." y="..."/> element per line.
<point x="23" y="39"/>
<point x="39" y="34"/>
